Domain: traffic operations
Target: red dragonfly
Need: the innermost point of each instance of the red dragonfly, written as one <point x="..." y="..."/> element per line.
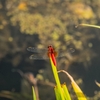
<point x="45" y="53"/>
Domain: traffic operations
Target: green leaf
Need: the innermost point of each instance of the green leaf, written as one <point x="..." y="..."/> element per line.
<point x="66" y="92"/>
<point x="77" y="90"/>
<point x="54" y="69"/>
<point x="34" y="95"/>
<point x="89" y="25"/>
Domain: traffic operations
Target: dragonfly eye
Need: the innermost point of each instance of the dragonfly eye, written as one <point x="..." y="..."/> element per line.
<point x="49" y="46"/>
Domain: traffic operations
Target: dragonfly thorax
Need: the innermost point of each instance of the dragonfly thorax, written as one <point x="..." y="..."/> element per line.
<point x="51" y="49"/>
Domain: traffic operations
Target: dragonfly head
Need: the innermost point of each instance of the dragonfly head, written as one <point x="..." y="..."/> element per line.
<point x="50" y="48"/>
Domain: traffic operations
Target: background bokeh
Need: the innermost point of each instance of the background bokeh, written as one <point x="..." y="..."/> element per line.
<point x="39" y="23"/>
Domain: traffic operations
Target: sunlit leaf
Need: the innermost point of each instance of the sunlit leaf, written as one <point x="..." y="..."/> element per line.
<point x="66" y="92"/>
<point x="34" y="95"/>
<point x="54" y="69"/>
<point x="57" y="94"/>
<point x="97" y="83"/>
<point x="89" y="25"/>
<point x="76" y="88"/>
<point x="22" y="6"/>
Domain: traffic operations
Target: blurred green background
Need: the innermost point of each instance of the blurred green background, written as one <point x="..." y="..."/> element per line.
<point x="39" y="23"/>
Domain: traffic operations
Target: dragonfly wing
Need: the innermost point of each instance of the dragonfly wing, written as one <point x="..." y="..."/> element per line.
<point x="36" y="50"/>
<point x="62" y="53"/>
<point x="71" y="50"/>
<point x="70" y="47"/>
<point x="39" y="57"/>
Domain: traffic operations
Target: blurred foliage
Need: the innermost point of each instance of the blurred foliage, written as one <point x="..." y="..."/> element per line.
<point x="54" y="21"/>
<point x="15" y="96"/>
<point x="39" y="23"/>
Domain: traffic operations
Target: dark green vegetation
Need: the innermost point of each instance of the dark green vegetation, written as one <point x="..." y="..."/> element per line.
<point x="25" y="23"/>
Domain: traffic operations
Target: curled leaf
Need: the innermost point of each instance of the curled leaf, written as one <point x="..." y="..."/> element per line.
<point x="76" y="88"/>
